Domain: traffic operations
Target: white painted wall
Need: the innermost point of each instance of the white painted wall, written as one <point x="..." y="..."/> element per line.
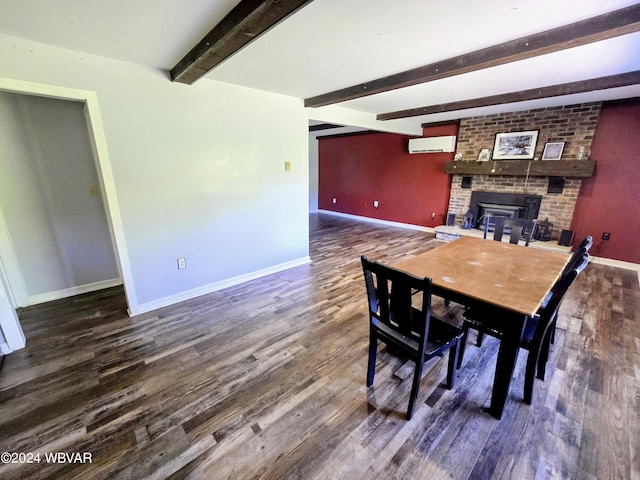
<point x="59" y="231"/>
<point x="198" y="170"/>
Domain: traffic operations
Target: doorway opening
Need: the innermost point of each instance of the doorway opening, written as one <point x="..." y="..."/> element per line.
<point x="63" y="209"/>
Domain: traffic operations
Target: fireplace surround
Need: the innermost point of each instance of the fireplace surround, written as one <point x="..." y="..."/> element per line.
<point x="572" y="124"/>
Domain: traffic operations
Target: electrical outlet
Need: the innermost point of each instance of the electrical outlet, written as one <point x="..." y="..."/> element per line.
<point x="182" y="263"/>
<point x="334" y="200"/>
<point x="606" y="236"/>
<point x="375" y="204"/>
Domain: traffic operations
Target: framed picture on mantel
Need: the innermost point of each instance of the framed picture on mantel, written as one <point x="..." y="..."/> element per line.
<point x="515" y="145"/>
<point x="552" y="151"/>
<point x="485" y="155"/>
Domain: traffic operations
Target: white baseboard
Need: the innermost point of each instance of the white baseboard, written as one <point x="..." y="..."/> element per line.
<point x="617" y="263"/>
<point x="387" y="223"/>
<point x="70" y="292"/>
<point x="214" y="287"/>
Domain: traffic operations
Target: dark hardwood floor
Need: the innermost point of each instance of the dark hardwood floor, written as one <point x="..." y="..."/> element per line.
<point x="267" y="380"/>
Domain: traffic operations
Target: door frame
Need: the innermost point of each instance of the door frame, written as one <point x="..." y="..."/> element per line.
<point x="11" y="326"/>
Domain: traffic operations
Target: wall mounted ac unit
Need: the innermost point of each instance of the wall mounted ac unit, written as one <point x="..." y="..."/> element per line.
<point x="432" y="144"/>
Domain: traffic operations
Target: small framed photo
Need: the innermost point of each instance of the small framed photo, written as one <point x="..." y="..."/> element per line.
<point x="552" y="151"/>
<point x="515" y="145"/>
<point x="485" y="155"/>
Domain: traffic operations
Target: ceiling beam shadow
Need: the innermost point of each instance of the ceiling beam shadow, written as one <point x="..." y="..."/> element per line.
<point x="602" y="27"/>
<point x="245" y="23"/>
<point x="323" y="126"/>
<point x="583" y="86"/>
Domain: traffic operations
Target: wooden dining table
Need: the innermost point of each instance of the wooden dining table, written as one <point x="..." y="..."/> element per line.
<point x="477" y="272"/>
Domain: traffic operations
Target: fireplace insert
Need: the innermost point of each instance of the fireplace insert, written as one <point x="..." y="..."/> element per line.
<point x="485" y="205"/>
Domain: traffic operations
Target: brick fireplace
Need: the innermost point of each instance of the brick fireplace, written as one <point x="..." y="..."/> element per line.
<point x="572" y="124"/>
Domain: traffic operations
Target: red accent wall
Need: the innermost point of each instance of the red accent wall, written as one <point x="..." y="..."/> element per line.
<point x="610" y="200"/>
<point x="358" y="169"/>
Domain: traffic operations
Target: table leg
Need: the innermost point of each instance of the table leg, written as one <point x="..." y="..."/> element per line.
<point x="507" y="356"/>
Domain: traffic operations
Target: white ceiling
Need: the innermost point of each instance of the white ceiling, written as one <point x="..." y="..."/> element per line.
<point x="331" y="44"/>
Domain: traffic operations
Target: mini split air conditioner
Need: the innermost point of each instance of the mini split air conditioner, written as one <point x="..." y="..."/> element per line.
<point x="432" y="144"/>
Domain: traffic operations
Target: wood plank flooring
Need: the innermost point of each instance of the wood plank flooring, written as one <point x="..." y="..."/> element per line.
<point x="267" y="380"/>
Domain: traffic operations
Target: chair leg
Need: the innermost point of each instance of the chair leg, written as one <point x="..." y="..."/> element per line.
<point x="553" y="331"/>
<point x="537" y="363"/>
<point x="417" y="375"/>
<point x="463" y="344"/>
<point x="479" y="339"/>
<point x="544" y="355"/>
<point x="373" y="350"/>
<point x="453" y="363"/>
<point x="529" y="375"/>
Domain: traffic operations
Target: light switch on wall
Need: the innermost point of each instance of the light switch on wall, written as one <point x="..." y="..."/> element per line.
<point x="287" y="166"/>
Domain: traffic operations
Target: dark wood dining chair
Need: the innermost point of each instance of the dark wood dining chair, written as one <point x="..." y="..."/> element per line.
<point x="586" y="243"/>
<point x="400" y="316"/>
<point x="537" y="332"/>
<point x="580" y="250"/>
<point x="574" y="262"/>
<point x="517" y="228"/>
<point x="576" y="259"/>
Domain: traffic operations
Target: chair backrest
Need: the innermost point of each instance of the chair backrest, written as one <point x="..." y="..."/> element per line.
<point x="576" y="256"/>
<point x="586" y="243"/>
<point x="516" y="227"/>
<point x="576" y="259"/>
<point x="391" y="294"/>
<point x="563" y="284"/>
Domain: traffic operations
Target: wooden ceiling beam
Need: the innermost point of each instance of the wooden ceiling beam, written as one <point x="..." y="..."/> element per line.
<point x="583" y="86"/>
<point x="602" y="27"/>
<point x="246" y="22"/>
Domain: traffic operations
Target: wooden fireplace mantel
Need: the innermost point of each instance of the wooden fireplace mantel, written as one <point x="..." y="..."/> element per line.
<point x="541" y="168"/>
